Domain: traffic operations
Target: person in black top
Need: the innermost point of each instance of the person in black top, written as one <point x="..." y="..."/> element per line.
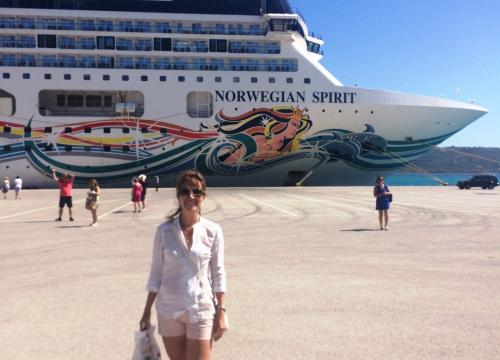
<point x="142" y="181"/>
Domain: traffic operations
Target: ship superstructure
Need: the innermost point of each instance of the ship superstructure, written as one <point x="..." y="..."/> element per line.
<point x="111" y="89"/>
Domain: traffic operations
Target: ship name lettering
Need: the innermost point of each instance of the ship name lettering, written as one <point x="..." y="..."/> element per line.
<point x="260" y="96"/>
<point x="334" y="97"/>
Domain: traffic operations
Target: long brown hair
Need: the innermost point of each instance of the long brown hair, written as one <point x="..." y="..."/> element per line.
<point x="93" y="184"/>
<point x="188" y="177"/>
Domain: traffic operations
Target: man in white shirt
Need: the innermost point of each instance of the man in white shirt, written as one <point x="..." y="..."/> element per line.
<point x="18" y="185"/>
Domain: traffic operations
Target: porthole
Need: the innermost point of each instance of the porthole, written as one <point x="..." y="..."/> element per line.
<point x="340" y="110"/>
<point x="323" y="110"/>
<point x="106" y="77"/>
<point x="47" y="130"/>
<point x="47" y="76"/>
<point x="26" y="76"/>
<point x="144" y="78"/>
<point x="355" y="111"/>
<point x="289" y="80"/>
<point x="68" y="130"/>
<point x="107" y="130"/>
<point x="68" y="148"/>
<point x="6" y="75"/>
<point x="163" y="131"/>
<point x="125" y="130"/>
<point x="272" y="80"/>
<point x="86" y="77"/>
<point x="107" y="148"/>
<point x="67" y="76"/>
<point x="181" y="79"/>
<point x="218" y="79"/>
<point x="87" y="130"/>
<point x="199" y="79"/>
<point x="307" y="80"/>
<point x="371" y="112"/>
<point x="6" y="129"/>
<point x="125" y="78"/>
<point x="163" y="78"/>
<point x="236" y="79"/>
<point x="126" y="148"/>
<point x="254" y="80"/>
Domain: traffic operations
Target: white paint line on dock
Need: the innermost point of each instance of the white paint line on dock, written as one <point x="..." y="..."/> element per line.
<point x="35" y="210"/>
<point x="269" y="205"/>
<point x="115" y="209"/>
<point x="329" y="203"/>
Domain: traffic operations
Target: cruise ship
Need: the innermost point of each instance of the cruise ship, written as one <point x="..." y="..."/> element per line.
<point x="111" y="89"/>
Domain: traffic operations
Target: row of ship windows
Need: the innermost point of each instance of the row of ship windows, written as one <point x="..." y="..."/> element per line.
<point x="140" y="26"/>
<point x="142" y="62"/>
<point x="128" y="44"/>
<point x="162" y="78"/>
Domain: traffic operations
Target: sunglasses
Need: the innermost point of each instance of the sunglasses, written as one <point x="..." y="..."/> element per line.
<point x="188" y="192"/>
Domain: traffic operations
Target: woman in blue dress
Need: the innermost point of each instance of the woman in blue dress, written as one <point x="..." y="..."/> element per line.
<point x="384" y="197"/>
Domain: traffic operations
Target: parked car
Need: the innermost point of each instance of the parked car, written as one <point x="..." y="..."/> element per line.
<point x="483" y="181"/>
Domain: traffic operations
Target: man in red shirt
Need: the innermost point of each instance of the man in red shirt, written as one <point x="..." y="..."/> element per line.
<point x="65" y="194"/>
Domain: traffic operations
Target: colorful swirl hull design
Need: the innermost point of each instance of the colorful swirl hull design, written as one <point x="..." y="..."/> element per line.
<point x="117" y="149"/>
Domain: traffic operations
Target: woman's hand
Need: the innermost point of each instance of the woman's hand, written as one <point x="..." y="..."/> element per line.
<point x="145" y="322"/>
<point x="219" y="324"/>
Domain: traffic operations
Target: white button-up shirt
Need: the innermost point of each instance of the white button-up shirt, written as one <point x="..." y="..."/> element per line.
<point x="173" y="278"/>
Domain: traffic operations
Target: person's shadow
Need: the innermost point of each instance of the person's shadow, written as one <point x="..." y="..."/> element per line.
<point x="359" y="230"/>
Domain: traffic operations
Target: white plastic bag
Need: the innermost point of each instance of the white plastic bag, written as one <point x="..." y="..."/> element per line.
<point x="146" y="347"/>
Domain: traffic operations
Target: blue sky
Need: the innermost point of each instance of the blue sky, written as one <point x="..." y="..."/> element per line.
<point x="447" y="48"/>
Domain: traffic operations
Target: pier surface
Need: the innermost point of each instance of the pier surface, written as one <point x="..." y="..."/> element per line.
<point x="310" y="276"/>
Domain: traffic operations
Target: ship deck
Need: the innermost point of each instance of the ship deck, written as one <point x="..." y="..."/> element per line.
<point x="310" y="276"/>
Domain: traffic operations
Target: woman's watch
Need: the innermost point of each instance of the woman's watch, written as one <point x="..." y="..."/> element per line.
<point x="221" y="308"/>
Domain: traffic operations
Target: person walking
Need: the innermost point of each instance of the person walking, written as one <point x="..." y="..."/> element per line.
<point x="142" y="180"/>
<point x="5" y="187"/>
<point x="187" y="251"/>
<point x="136" y="194"/>
<point x="383" y="200"/>
<point x="18" y="186"/>
<point x="65" y="184"/>
<point x="92" y="202"/>
<point x="157" y="178"/>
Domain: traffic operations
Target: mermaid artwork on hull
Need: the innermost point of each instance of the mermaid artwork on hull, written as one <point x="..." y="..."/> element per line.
<point x="263" y="134"/>
<point x="227" y="146"/>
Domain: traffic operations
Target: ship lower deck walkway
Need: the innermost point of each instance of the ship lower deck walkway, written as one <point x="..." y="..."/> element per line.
<point x="310" y="276"/>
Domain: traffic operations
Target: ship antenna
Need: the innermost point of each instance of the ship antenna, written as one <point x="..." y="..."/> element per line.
<point x="263" y="7"/>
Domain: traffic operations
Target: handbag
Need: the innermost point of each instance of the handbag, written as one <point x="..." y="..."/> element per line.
<point x="389" y="197"/>
<point x="146" y="347"/>
<point x="203" y="280"/>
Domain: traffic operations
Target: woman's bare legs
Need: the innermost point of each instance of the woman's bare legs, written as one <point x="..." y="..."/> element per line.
<point x="175" y="346"/>
<point x="380" y="216"/>
<point x="181" y="348"/>
<point x="94" y="216"/>
<point x="386" y="218"/>
<point x="198" y="349"/>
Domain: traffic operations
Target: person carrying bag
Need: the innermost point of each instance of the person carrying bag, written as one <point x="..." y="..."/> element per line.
<point x="187" y="250"/>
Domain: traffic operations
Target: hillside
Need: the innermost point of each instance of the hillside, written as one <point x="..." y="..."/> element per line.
<point x="460" y="159"/>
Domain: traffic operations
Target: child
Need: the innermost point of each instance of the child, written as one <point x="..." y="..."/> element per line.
<point x="136" y="194"/>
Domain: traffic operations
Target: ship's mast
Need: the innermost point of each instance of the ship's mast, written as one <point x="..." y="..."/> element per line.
<point x="263" y="7"/>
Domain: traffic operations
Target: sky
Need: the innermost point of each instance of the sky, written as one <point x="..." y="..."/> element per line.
<point x="443" y="48"/>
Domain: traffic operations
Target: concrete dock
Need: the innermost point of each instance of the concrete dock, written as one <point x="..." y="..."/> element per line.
<point x="310" y="276"/>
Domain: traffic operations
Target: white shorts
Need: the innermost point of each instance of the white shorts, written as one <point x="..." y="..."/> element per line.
<point x="180" y="326"/>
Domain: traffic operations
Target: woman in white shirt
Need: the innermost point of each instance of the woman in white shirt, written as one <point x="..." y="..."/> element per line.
<point x="187" y="269"/>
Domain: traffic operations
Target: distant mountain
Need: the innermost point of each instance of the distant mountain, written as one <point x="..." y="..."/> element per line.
<point x="477" y="160"/>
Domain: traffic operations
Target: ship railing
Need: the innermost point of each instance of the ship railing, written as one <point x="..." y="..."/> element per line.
<point x="130" y="26"/>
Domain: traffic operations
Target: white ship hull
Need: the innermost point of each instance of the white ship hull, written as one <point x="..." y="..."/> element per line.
<point x="342" y="135"/>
